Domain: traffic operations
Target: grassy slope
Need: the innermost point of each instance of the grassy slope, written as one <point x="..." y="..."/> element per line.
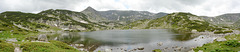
<point x="6" y="47"/>
<point x="179" y="21"/>
<point x="8" y="19"/>
<point x="8" y="30"/>
<point x="53" y="46"/>
<point x="231" y="45"/>
<point x="66" y="15"/>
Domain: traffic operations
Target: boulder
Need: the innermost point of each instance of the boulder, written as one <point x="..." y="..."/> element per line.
<point x="42" y="38"/>
<point x="140" y="48"/>
<point x="200" y="51"/>
<point x="221" y="39"/>
<point x="11" y="40"/>
<point x="191" y="50"/>
<point x="194" y="30"/>
<point x="160" y="43"/>
<point x="107" y="50"/>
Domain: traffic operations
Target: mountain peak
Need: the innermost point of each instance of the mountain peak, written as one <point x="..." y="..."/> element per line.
<point x="89" y="8"/>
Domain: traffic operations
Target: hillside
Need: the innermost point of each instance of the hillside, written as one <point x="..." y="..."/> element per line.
<point x="24" y="22"/>
<point x="70" y="20"/>
<point x="93" y="15"/>
<point x="228" y="19"/>
<point x="237" y="24"/>
<point x="48" y="21"/>
<point x="120" y="16"/>
<point x="180" y="21"/>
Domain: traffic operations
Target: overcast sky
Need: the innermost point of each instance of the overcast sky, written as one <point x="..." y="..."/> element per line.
<point x="198" y="7"/>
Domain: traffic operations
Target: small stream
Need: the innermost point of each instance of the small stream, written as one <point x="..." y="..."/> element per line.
<point x="133" y="40"/>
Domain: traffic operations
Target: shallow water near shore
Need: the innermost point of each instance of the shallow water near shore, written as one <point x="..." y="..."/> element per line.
<point x="131" y="40"/>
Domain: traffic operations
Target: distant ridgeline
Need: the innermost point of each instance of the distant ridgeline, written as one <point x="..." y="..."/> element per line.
<point x="179" y="21"/>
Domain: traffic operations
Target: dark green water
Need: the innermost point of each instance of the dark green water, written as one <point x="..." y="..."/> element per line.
<point x="120" y="40"/>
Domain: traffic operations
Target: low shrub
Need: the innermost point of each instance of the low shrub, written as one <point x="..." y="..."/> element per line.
<point x="232" y="43"/>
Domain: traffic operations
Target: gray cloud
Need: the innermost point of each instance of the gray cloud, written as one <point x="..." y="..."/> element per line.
<point x="36" y="5"/>
<point x="198" y="7"/>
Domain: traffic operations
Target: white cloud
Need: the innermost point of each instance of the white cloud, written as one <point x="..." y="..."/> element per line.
<point x="198" y="7"/>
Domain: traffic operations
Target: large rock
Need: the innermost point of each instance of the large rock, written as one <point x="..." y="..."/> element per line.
<point x="200" y="51"/>
<point x="11" y="40"/>
<point x="221" y="39"/>
<point x="140" y="48"/>
<point x="160" y="43"/>
<point x="107" y="50"/>
<point x="42" y="38"/>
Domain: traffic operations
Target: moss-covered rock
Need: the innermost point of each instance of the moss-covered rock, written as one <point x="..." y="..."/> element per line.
<point x="157" y="50"/>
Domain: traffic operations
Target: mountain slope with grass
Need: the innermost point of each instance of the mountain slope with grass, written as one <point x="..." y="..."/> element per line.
<point x="120" y="16"/>
<point x="70" y="20"/>
<point x="231" y="44"/>
<point x="23" y="22"/>
<point x="224" y="19"/>
<point x="48" y="21"/>
<point x="179" y="21"/>
<point x="237" y="24"/>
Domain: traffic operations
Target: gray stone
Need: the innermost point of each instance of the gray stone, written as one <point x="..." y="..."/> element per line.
<point x="191" y="50"/>
<point x="108" y="50"/>
<point x="17" y="49"/>
<point x="221" y="39"/>
<point x="140" y="48"/>
<point x="42" y="38"/>
<point x="200" y="51"/>
<point x="11" y="40"/>
<point x="160" y="43"/>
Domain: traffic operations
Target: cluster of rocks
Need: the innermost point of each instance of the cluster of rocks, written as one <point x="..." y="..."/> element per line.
<point x="125" y="50"/>
<point x="39" y="38"/>
<point x="80" y="47"/>
<point x="12" y="40"/>
<point x="175" y="48"/>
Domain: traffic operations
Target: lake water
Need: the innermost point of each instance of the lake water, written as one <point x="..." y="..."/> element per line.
<point x="130" y="40"/>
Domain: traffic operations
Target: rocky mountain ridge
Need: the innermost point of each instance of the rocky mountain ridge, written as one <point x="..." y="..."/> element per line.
<point x="123" y="17"/>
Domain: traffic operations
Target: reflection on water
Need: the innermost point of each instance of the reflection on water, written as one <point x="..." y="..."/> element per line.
<point x="129" y="39"/>
<point x="76" y="38"/>
<point x="184" y="37"/>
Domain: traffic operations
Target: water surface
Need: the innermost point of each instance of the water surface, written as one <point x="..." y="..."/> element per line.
<point x="129" y="40"/>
